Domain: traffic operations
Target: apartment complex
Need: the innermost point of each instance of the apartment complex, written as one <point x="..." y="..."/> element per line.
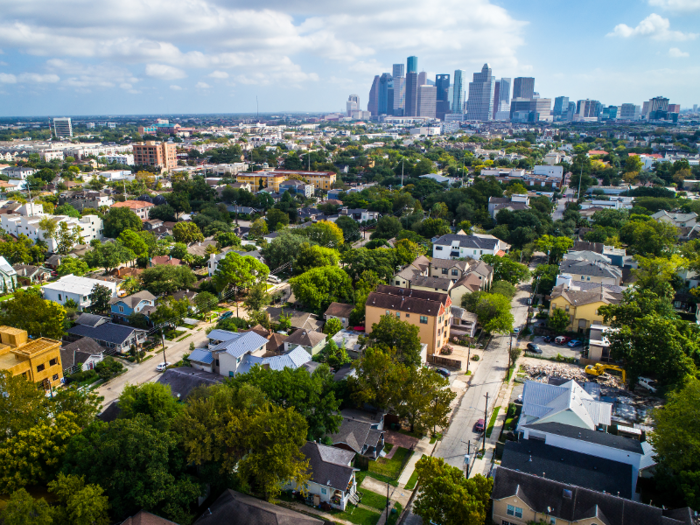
<point x="38" y="360"/>
<point x="262" y="180"/>
<point x="271" y="180"/>
<point x="159" y="154"/>
<point x="140" y="208"/>
<point x="429" y="311"/>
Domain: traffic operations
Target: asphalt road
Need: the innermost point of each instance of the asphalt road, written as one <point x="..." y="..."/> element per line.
<point x="487" y="379"/>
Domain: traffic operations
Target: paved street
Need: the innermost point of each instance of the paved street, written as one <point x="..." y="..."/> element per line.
<point x="487" y="378"/>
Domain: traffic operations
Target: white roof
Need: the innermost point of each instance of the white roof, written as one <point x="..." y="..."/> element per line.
<point x="6" y="267"/>
<point x="78" y="285"/>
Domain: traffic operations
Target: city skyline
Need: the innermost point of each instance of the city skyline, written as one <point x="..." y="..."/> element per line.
<point x="86" y="58"/>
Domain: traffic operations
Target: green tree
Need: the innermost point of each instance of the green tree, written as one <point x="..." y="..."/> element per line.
<point x="545" y="277"/>
<point x="257" y="298"/>
<point x="676" y="440"/>
<point x="325" y="233"/>
<point x="205" y="302"/>
<point x="349" y="227"/>
<point x="379" y="377"/>
<point x="187" y="233"/>
<point x="225" y="239"/>
<point x="424" y="398"/>
<point x="170" y="311"/>
<point x="656" y="273"/>
<point x="648" y="238"/>
<point x="151" y="399"/>
<point x="504" y="288"/>
<point x="72" y="265"/>
<point x="311" y="256"/>
<point x="492" y="311"/>
<point x="276" y="219"/>
<point x="164" y="279"/>
<point x="109" y="255"/>
<point x="179" y="201"/>
<point x="334" y="356"/>
<point x="446" y="497"/>
<point x="135" y="242"/>
<point x="22" y="509"/>
<point x="119" y="219"/>
<point x="79" y="504"/>
<point x="320" y="287"/>
<point x="239" y="271"/>
<point x="506" y="269"/>
<point x="27" y="310"/>
<point x="100" y="297"/>
<point x="556" y="247"/>
<point x="558" y="320"/>
<point x="332" y="326"/>
<point x="287" y="247"/>
<point x="430" y="228"/>
<point x="383" y="263"/>
<point x="387" y="228"/>
<point x="164" y="212"/>
<point x="84" y="405"/>
<point x="67" y="238"/>
<point x="21" y="406"/>
<point x="408" y="251"/>
<point x="258" y="229"/>
<point x="390" y="332"/>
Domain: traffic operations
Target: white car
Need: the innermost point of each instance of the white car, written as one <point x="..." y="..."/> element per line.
<point x="647" y="383"/>
<point x="162" y="366"/>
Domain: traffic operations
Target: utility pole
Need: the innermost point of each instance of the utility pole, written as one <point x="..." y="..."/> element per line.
<point x="162" y="337"/>
<point x="486" y="415"/>
<point x="469" y="355"/>
<point x="402" y="174"/>
<point x="387" y="503"/>
<point x="578" y="196"/>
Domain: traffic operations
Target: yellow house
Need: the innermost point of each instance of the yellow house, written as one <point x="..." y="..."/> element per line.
<point x="582" y="304"/>
<point x="321" y="180"/>
<point x="431" y="312"/>
<point x="38" y="360"/>
<point x="270" y="180"/>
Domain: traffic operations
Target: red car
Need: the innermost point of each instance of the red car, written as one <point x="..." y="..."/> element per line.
<point x="479" y="427"/>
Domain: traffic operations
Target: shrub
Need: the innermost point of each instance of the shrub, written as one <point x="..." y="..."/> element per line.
<point x="475" y="357"/>
<point x="78" y="377"/>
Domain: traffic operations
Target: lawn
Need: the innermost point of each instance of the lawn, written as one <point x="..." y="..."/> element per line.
<point x="374" y="500"/>
<point x="394" y="516"/>
<point x="358" y="515"/>
<point x="492" y="421"/>
<point x="391" y="467"/>
<point x="183" y="338"/>
<point x="360" y="476"/>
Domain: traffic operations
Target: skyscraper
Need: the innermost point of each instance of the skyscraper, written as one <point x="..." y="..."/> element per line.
<point x="411" y="104"/>
<point x="561" y="106"/>
<point x="422" y="78"/>
<point x="442" y="84"/>
<point x="629" y="112"/>
<point x="399" y="96"/>
<point x="412" y="65"/>
<point x="458" y="92"/>
<point x="501" y="99"/>
<point x="524" y="87"/>
<point x="427" y="101"/>
<point x="398" y="70"/>
<point x="480" y="102"/>
<point x="373" y="104"/>
<point x="588" y="109"/>
<point x="385" y="84"/>
<point x="353" y="104"/>
<point x="62" y="127"/>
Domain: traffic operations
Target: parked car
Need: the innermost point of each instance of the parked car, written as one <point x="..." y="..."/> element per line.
<point x="443" y="372"/>
<point x="547" y="338"/>
<point x="274" y="279"/>
<point x="649" y="384"/>
<point x="162" y="366"/>
<point x="532" y="347"/>
<point x="575" y="342"/>
<point x="562" y="340"/>
<point x="479" y="426"/>
<point x="519" y="400"/>
<point x="516" y="330"/>
<point x="226" y="315"/>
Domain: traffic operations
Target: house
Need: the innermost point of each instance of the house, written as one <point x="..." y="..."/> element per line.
<point x="456" y="246"/>
<point x="140" y="208"/>
<point x="463" y="323"/>
<point x="29" y="274"/>
<point x="8" y="276"/>
<point x="677" y="219"/>
<point x="152" y="224"/>
<point x="117" y="337"/>
<point x="38" y="360"/>
<point x="351" y="341"/>
<point x="298" y="320"/>
<point x="214" y="258"/>
<point x="164" y="259"/>
<point x="229" y="353"/>
<point x="294" y="358"/>
<point x="81" y="200"/>
<point x="513" y="203"/>
<point x="275" y="343"/>
<point x="598" y="348"/>
<point x="570" y="418"/>
<point x="81" y="355"/>
<point x="312" y="342"/>
<point x="339" y="311"/>
<point x="297" y="187"/>
<point x="240" y="509"/>
<point x="579" y="269"/>
<point x="75" y="288"/>
<point x="429" y="311"/>
<point x="520" y="498"/>
<point x="183" y="380"/>
<point x="582" y="301"/>
<point x="332" y="475"/>
<point x="146" y="518"/>
<point x="359" y="214"/>
<point x="363" y="435"/>
<point x="143" y="302"/>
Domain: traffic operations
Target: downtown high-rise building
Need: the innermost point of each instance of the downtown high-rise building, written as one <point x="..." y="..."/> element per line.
<point x="399" y="96"/>
<point x="501" y="99"/>
<point x="458" y="91"/>
<point x="588" y="109"/>
<point x="411" y="65"/>
<point x="422" y="78"/>
<point x="531" y="110"/>
<point x="373" y="103"/>
<point x="427" y="101"/>
<point x="398" y="70"/>
<point x="386" y="92"/>
<point x="561" y="106"/>
<point x="442" y="84"/>
<point x="524" y="87"/>
<point x="353" y="104"/>
<point x="62" y="127"/>
<point x="480" y="101"/>
<point x="411" y="104"/>
<point x="629" y="112"/>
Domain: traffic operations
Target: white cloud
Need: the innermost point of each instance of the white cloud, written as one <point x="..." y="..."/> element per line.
<point x="202" y="85"/>
<point x="82" y="76"/>
<point x="7" y="78"/>
<point x="677" y="5"/>
<point x="3" y="63"/>
<point x="164" y="72"/>
<point x="175" y="87"/>
<point x="653" y="26"/>
<point x="674" y="52"/>
<point x="218" y="74"/>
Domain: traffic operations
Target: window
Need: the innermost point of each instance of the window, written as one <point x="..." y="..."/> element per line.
<point x="504" y="522"/>
<point x="323" y="491"/>
<point x="455" y="272"/>
<point x="514" y="511"/>
<point x="444" y="271"/>
<point x="53" y="362"/>
<point x="55" y="377"/>
<point x="423" y="319"/>
<point x="217" y="362"/>
<point x="398" y="283"/>
<point x="398" y="315"/>
<point x="230" y="373"/>
<point x="408" y="315"/>
<point x="40" y="368"/>
<point x="121" y="308"/>
<point x="59" y="297"/>
<point x="438" y="248"/>
<point x="388" y="312"/>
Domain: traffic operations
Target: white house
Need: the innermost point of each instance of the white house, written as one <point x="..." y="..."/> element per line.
<point x="90" y="227"/>
<point x="17" y="172"/>
<point x="8" y="276"/>
<point x="360" y="214"/>
<point x="455" y="246"/>
<point x="556" y="172"/>
<point x="76" y="288"/>
<point x="679" y="220"/>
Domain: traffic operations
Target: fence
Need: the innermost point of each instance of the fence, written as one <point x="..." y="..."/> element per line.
<point x="444" y="361"/>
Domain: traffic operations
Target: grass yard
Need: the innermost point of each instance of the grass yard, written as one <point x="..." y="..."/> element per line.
<point x="394" y="516"/>
<point x="358" y="515"/>
<point x="183" y="338"/>
<point x="492" y="421"/>
<point x="360" y="476"/>
<point x="372" y="499"/>
<point x="388" y="447"/>
<point x="391" y="468"/>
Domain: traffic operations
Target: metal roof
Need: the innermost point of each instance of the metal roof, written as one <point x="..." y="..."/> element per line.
<point x="242" y="344"/>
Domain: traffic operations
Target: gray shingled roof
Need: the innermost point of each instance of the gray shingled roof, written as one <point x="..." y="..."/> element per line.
<point x="353" y="433"/>
<point x="183" y="380"/>
<point x="91" y="320"/>
<point x="133" y="300"/>
<point x="329" y="465"/>
<point x="79" y="351"/>
<point x="467" y="241"/>
<point x="109" y="332"/>
<point x="592" y="269"/>
<point x="590" y="436"/>
<point x="306" y="338"/>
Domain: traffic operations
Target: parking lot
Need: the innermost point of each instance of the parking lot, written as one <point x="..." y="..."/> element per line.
<point x="551" y="349"/>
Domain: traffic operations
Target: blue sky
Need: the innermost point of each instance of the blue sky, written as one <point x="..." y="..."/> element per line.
<point x="81" y="57"/>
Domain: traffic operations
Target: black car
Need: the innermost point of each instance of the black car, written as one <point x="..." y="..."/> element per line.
<point x="532" y="347"/>
<point x="547" y="339"/>
<point x="443" y="372"/>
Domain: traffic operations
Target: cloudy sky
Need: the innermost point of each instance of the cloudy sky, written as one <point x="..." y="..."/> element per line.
<point x="82" y="57"/>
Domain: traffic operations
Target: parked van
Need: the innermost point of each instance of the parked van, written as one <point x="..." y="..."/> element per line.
<point x="561" y="340"/>
<point x="274" y="279"/>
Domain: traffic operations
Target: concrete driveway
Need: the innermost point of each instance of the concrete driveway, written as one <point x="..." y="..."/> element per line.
<point x="551" y="349"/>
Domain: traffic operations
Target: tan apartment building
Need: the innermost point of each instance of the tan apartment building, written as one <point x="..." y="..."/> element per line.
<point x="140" y="208"/>
<point x="159" y="154"/>
<point x="582" y="303"/>
<point x="321" y="180"/>
<point x="262" y="179"/>
<point x="431" y="312"/>
<point x="38" y="360"/>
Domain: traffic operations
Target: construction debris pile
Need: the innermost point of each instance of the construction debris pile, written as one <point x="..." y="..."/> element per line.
<point x="542" y="373"/>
